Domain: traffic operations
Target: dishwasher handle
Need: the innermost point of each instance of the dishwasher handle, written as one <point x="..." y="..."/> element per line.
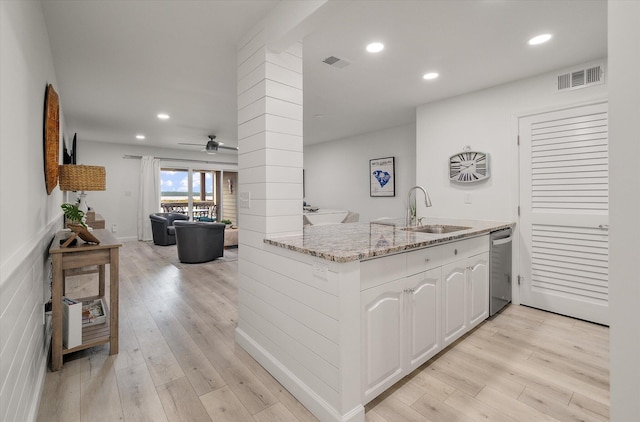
<point x="502" y="241"/>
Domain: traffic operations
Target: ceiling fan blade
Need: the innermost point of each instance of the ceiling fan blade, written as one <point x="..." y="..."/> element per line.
<point x="185" y="143"/>
<point x="226" y="147"/>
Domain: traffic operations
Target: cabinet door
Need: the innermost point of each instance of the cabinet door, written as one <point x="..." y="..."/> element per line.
<point x="478" y="276"/>
<point x="423" y="323"/>
<point x="453" y="299"/>
<point x="382" y="338"/>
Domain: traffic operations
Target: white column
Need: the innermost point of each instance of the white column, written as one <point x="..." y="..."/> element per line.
<point x="270" y="141"/>
<point x="301" y="328"/>
<point x="624" y="188"/>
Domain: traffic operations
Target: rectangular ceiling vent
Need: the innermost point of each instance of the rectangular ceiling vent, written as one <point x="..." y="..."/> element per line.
<point x="581" y="78"/>
<point x="336" y="62"/>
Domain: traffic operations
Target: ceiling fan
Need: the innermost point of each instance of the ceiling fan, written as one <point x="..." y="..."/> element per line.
<point x="212" y="146"/>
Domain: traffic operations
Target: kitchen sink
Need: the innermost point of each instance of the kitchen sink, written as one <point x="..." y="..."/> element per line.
<point x="436" y="228"/>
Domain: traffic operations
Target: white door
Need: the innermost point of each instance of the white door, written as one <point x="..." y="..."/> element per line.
<point x="564" y="206"/>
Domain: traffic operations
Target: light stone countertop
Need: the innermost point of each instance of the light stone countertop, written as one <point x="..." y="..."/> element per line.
<point x="360" y="241"/>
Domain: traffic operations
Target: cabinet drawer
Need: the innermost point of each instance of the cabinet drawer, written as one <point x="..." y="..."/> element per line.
<point x="382" y="270"/>
<point x="464" y="248"/>
<point x="424" y="259"/>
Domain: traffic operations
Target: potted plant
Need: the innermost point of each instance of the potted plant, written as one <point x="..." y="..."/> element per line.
<point x="74" y="214"/>
<point x="227" y="222"/>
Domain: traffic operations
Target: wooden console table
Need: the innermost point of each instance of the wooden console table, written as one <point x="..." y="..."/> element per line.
<point x="83" y="255"/>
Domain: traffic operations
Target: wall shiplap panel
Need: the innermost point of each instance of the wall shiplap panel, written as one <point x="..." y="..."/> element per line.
<point x="26" y="66"/>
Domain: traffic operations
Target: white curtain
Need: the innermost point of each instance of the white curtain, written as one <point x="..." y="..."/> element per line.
<point x="149" y="195"/>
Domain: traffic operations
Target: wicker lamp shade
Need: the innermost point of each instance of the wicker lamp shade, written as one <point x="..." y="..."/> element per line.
<point x="82" y="178"/>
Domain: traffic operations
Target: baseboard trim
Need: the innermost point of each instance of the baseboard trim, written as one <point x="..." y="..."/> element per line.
<point x="302" y="392"/>
<point x="42" y="373"/>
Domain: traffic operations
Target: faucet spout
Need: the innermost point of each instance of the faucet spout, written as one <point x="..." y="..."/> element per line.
<point x="411" y="216"/>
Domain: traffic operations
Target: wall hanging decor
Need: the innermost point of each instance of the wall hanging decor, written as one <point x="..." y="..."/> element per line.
<point x="382" y="180"/>
<point x="469" y="166"/>
<point x="51" y="138"/>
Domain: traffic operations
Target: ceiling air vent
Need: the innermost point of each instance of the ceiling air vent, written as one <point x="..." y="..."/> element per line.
<point x="581" y="78"/>
<point x="336" y="62"/>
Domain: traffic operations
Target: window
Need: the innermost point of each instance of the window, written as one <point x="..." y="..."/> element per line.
<point x="196" y="199"/>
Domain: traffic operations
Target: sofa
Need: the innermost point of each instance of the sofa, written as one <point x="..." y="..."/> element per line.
<point x="199" y="241"/>
<point x="162" y="227"/>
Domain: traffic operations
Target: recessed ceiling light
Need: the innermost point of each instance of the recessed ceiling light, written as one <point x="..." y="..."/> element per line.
<point x="163" y="116"/>
<point x="140" y="137"/>
<point x="540" y="39"/>
<point x="430" y="75"/>
<point x="375" y="47"/>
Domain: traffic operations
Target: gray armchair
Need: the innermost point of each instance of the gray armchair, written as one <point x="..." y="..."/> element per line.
<point x="199" y="241"/>
<point x="164" y="233"/>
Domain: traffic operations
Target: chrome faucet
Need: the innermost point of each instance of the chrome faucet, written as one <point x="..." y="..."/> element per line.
<point x="411" y="216"/>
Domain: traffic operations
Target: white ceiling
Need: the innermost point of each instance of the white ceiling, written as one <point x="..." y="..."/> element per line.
<point x="119" y="63"/>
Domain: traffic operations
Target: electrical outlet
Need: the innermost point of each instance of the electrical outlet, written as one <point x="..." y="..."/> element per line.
<point x="244" y="199"/>
<point x="114" y="228"/>
<point x="467" y="198"/>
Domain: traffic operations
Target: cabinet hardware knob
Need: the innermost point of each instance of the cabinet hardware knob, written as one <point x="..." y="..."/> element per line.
<point x="427" y="260"/>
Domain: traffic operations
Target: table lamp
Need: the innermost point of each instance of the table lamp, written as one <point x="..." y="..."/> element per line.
<point x="81" y="178"/>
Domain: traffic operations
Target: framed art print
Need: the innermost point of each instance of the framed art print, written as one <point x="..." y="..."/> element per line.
<point x="382" y="179"/>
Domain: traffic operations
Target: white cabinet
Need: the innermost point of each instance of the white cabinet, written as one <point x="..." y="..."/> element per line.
<point x="415" y="304"/>
<point x="465" y="295"/>
<point x="400" y="329"/>
<point x="454" y="321"/>
<point x="478" y="285"/>
<point x="382" y="337"/>
<point x="423" y="315"/>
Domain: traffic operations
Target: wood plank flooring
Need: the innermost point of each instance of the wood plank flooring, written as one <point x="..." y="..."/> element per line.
<point x="178" y="361"/>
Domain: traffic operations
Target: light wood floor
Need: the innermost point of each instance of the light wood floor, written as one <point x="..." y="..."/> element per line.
<point x="178" y="361"/>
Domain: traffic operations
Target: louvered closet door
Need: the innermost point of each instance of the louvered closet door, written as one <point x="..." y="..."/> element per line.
<point x="564" y="200"/>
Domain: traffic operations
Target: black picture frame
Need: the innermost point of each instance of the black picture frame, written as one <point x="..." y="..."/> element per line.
<point x="382" y="177"/>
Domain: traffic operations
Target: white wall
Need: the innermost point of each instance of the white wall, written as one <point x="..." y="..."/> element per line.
<point x="336" y="173"/>
<point x="624" y="290"/>
<point x="487" y="121"/>
<point x="28" y="216"/>
<point x="119" y="203"/>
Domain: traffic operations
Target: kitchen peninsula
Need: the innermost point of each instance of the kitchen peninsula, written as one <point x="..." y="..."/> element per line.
<point x="345" y="311"/>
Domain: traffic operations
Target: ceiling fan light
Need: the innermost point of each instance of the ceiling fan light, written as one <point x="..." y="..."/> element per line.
<point x="212" y="146"/>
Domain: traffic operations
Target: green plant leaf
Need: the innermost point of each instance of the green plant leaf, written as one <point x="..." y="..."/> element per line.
<point x="73" y="213"/>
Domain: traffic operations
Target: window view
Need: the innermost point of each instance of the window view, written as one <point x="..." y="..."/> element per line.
<point x="175" y="193"/>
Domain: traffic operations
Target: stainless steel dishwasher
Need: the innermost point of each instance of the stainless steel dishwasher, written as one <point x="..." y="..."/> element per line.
<point x="500" y="270"/>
